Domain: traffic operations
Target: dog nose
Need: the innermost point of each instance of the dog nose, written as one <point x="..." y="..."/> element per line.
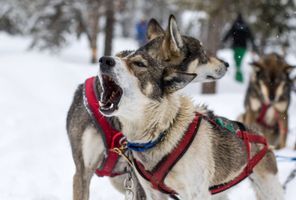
<point x="226" y="64"/>
<point x="271" y="97"/>
<point x="107" y="61"/>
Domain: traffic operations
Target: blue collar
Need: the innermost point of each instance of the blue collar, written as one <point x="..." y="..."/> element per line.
<point x="140" y="147"/>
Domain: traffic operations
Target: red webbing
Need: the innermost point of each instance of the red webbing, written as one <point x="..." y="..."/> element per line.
<point x="157" y="177"/>
<point x="262" y="114"/>
<point x="252" y="162"/>
<point x="111" y="136"/>
<point x="161" y="170"/>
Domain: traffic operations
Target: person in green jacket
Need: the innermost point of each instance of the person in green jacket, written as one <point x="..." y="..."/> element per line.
<point x="240" y="35"/>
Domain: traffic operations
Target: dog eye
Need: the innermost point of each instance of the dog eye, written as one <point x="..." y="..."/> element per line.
<point x="139" y="64"/>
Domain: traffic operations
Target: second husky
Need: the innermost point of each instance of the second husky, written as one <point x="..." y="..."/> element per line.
<point x="268" y="97"/>
<point x="87" y="143"/>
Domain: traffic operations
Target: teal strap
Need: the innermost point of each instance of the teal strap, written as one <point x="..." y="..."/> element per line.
<point x="227" y="126"/>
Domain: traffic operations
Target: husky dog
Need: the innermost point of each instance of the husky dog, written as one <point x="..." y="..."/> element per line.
<point x="183" y="53"/>
<point x="268" y="97"/>
<point x="149" y="107"/>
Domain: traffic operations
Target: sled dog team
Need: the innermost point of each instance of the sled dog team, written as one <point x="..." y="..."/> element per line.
<point x="129" y="122"/>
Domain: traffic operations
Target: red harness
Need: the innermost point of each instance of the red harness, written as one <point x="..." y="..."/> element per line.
<point x="261" y="118"/>
<point x="160" y="171"/>
<point x="111" y="137"/>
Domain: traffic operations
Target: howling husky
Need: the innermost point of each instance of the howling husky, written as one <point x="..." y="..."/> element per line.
<point x="88" y="147"/>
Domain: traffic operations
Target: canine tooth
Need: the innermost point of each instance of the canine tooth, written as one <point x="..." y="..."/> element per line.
<point x="101" y="104"/>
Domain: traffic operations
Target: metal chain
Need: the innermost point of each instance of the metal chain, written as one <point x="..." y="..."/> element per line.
<point x="129" y="187"/>
<point x="128" y="181"/>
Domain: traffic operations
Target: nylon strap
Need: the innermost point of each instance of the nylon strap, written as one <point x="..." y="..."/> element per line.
<point x="252" y="162"/>
<point x="111" y="137"/>
<point x="159" y="173"/>
<point x="260" y="119"/>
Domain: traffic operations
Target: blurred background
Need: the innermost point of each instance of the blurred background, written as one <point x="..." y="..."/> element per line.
<point x="48" y="47"/>
<point x="53" y="24"/>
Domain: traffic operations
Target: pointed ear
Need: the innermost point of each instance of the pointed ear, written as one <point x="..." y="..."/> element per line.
<point x="154" y="29"/>
<point x="174" y="80"/>
<point x="173" y="40"/>
<point x="256" y="66"/>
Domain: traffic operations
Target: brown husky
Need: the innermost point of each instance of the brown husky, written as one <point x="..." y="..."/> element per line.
<point x="149" y="108"/>
<point x="268" y="97"/>
<point x="183" y="53"/>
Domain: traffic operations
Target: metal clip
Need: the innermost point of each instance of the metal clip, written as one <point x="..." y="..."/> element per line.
<point x="120" y="151"/>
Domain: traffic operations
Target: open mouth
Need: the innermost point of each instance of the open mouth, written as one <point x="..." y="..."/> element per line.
<point x="110" y="96"/>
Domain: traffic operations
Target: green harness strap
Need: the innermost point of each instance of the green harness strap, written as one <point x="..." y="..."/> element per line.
<point x="227" y="126"/>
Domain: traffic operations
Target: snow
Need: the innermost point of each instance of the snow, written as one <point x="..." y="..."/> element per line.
<point x="37" y="89"/>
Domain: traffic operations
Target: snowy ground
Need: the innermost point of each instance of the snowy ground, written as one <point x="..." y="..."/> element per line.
<point x="37" y="89"/>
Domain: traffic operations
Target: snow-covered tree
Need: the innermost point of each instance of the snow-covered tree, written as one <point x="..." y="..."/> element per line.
<point x="14" y="16"/>
<point x="51" y="22"/>
<point x="55" y="20"/>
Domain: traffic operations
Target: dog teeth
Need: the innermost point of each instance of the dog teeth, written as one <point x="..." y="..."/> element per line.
<point x="101" y="104"/>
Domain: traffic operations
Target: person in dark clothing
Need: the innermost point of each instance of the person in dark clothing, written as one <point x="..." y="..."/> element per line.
<point x="241" y="35"/>
<point x="141" y="28"/>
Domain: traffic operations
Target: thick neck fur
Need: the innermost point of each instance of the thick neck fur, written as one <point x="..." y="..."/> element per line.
<point x="172" y="116"/>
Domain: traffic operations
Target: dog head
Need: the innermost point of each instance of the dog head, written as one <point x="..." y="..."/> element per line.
<point x="136" y="81"/>
<point x="183" y="53"/>
<point x="271" y="78"/>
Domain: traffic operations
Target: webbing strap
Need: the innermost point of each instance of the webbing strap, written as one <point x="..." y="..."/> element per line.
<point x="110" y="136"/>
<point x="159" y="173"/>
<point x="252" y="162"/>
<point x="260" y="119"/>
<point x="157" y="176"/>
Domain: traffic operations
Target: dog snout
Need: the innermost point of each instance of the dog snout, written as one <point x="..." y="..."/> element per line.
<point x="107" y="61"/>
<point x="271" y="96"/>
<point x="226" y="64"/>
